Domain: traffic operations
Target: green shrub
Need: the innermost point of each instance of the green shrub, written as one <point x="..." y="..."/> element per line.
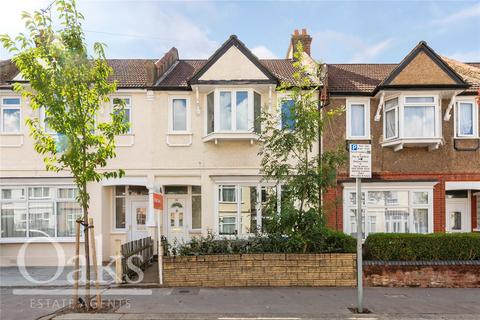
<point x="415" y="247"/>
<point x="328" y="242"/>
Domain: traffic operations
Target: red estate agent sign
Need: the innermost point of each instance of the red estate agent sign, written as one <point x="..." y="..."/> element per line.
<point x="158" y="201"/>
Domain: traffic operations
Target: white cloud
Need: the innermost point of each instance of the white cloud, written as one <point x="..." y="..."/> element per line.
<point x="465" y="56"/>
<point x="263" y="52"/>
<point x="458" y="16"/>
<point x="333" y="45"/>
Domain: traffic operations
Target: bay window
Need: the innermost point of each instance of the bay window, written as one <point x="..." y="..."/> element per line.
<point x="232" y="111"/>
<point x="10" y="115"/>
<point x="419" y="117"/>
<point x="390" y="210"/>
<point x="38" y="211"/>
<point x="239" y="208"/>
<point x="391" y="118"/>
<point x="466" y="119"/>
<point x="358" y="119"/>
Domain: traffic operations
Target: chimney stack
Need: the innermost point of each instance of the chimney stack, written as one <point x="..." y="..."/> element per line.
<point x="304" y="38"/>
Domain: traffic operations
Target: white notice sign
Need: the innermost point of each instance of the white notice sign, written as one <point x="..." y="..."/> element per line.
<point x="360" y="160"/>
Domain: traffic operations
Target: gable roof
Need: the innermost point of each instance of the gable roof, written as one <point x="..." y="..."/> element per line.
<point x="233" y="41"/>
<point x="422" y="47"/>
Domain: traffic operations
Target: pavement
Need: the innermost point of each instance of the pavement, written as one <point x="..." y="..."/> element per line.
<point x="250" y="303"/>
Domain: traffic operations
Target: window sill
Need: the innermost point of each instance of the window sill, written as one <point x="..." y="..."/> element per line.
<point x="467" y="138"/>
<point x="125" y="140"/>
<point x="179" y="139"/>
<point x="230" y="136"/>
<point x="11" y="139"/>
<point x="39" y="240"/>
<point x="399" y="144"/>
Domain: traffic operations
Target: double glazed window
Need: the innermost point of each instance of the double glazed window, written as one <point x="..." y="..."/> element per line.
<point x="358" y="119"/>
<point x="411" y="117"/>
<point x="179" y="115"/>
<point x="391" y="211"/>
<point x="10" y="115"/>
<point x="288" y="114"/>
<point x="233" y="111"/>
<point x="466" y="123"/>
<point x="239" y="208"/>
<point x="127" y="105"/>
<point x="38" y="211"/>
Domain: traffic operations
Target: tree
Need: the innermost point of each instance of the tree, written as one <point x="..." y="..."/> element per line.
<point x="70" y="86"/>
<point x="289" y="157"/>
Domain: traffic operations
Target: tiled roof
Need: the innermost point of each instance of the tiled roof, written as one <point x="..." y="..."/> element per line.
<point x="363" y="78"/>
<point x="132" y="73"/>
<point x="8" y="71"/>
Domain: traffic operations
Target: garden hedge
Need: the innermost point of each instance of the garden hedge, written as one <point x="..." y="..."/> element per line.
<point x="328" y="242"/>
<point x="417" y="247"/>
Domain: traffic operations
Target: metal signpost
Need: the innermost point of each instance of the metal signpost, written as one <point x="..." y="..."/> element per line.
<point x="360" y="167"/>
<point x="158" y="205"/>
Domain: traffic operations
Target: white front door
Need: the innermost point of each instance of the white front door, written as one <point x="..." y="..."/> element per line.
<point x="458" y="217"/>
<point x="176" y="218"/>
<point x="139" y="219"/>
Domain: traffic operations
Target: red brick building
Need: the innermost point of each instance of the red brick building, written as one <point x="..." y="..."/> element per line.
<point x="422" y="119"/>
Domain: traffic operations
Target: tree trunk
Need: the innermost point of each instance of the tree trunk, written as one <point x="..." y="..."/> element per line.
<point x="87" y="258"/>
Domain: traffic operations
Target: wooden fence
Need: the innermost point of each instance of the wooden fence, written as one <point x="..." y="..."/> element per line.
<point x="138" y="253"/>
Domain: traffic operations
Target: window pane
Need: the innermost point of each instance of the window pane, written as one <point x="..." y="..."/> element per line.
<point x="119" y="191"/>
<point x="11" y="120"/>
<point x="390" y="104"/>
<point x="420" y="121"/>
<point x="11" y="101"/>
<point x="196" y="212"/>
<point x="67" y="214"/>
<point x="376" y="198"/>
<point x="390" y="124"/>
<point x="396" y="198"/>
<point x="453" y="194"/>
<point x="288" y="114"/>
<point x="227" y="193"/>
<point x="465" y="119"/>
<point x="242" y="110"/>
<point x="357" y="120"/>
<point x="137" y="191"/>
<point x="67" y="193"/>
<point x="227" y="224"/>
<point x="353" y="198"/>
<point x="396" y="221"/>
<point x="456" y="220"/>
<point x="269" y="205"/>
<point x="420" y="197"/>
<point x="176" y="190"/>
<point x="419" y="100"/>
<point x="179" y="114"/>
<point x="420" y="220"/>
<point x="196" y="190"/>
<point x="225" y="110"/>
<point x="41" y="220"/>
<point x="13" y="194"/>
<point x="39" y="193"/>
<point x="257" y="112"/>
<point x="210" y="113"/>
<point x="248" y="207"/>
<point x="120" y="213"/>
<point x="14" y="220"/>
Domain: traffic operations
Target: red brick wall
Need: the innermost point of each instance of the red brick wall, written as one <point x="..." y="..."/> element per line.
<point x="437" y="276"/>
<point x="333" y="201"/>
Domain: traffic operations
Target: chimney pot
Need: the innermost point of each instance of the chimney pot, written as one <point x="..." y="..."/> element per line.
<point x="304" y="32"/>
<point x="304" y="38"/>
<point x="295" y="32"/>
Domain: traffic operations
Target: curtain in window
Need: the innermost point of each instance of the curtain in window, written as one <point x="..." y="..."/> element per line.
<point x="390" y="124"/>
<point x="179" y="115"/>
<point x="419" y="121"/>
<point x="357" y="120"/>
<point x="257" y="110"/>
<point x="465" y="119"/>
<point x="210" y="113"/>
<point x="225" y="110"/>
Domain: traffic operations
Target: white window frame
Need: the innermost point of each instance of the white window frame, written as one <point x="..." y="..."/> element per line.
<point x="127" y="106"/>
<point x="397" y="118"/>
<point x="475" y="112"/>
<point x="409" y="187"/>
<point x="114" y="206"/>
<point x="170" y="115"/>
<point x="10" y="107"/>
<point x="233" y="101"/>
<point x="280" y="98"/>
<point x="437" y="113"/>
<point x="366" y="103"/>
<point x="53" y="198"/>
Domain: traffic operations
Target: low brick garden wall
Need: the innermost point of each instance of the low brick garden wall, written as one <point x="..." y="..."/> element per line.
<point x="428" y="274"/>
<point x="256" y="270"/>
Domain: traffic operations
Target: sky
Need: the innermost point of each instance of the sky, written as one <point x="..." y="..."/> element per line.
<point x="342" y="31"/>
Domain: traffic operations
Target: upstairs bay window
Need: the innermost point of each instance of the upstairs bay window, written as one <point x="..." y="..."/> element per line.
<point x="412" y="120"/>
<point x="358" y="119"/>
<point x="10" y="115"/>
<point x="466" y="119"/>
<point x="233" y="111"/>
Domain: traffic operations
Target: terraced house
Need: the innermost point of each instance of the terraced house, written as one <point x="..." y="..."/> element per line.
<point x="193" y="136"/>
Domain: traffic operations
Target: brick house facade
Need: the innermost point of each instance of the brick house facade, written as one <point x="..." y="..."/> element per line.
<point x="430" y="151"/>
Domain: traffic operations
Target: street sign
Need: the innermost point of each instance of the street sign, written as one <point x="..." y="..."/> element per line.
<point x="360" y="160"/>
<point x="158" y="201"/>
